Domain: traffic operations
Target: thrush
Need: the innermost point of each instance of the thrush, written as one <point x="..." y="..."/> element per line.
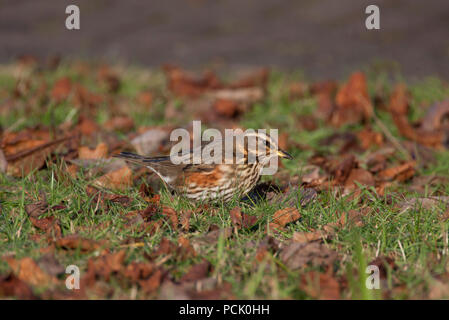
<point x="206" y="181"/>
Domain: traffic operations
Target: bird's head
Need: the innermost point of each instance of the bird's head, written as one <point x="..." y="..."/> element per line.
<point x="261" y="147"/>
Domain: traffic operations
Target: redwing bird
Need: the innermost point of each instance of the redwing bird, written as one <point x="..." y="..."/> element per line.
<point x="214" y="181"/>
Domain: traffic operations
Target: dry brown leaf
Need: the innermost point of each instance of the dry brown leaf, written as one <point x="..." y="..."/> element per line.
<point x="343" y="169"/>
<point x="320" y="285"/>
<point x="433" y="202"/>
<point x="172" y="216"/>
<point x="183" y="84"/>
<point x="28" y="271"/>
<point x="226" y="108"/>
<point x="352" y="102"/>
<point x="120" y="123"/>
<point x="145" y="98"/>
<point x="138" y="270"/>
<point x="185" y="219"/>
<point x="150" y="141"/>
<point x="399" y="173"/>
<point x="236" y="217"/>
<point x="303" y="237"/>
<point x="24" y="155"/>
<point x="50" y="264"/>
<point x="120" y="179"/>
<point x="369" y="138"/>
<point x="75" y="242"/>
<point x="297" y="90"/>
<point x="87" y="126"/>
<point x="399" y="107"/>
<point x="101" y="151"/>
<point x="284" y="216"/>
<point x="13" y="287"/>
<point x="61" y="89"/>
<point x="197" y="272"/>
<point x="3" y="162"/>
<point x="185" y="249"/>
<point x="359" y="176"/>
<point x="152" y="283"/>
<point x="298" y="255"/>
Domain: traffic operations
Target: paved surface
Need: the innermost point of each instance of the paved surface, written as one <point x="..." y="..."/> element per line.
<point x="326" y="38"/>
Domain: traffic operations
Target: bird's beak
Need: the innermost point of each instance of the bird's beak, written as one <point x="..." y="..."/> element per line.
<point x="283" y="154"/>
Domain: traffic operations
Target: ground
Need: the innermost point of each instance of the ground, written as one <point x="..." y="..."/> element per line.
<point x="367" y="185"/>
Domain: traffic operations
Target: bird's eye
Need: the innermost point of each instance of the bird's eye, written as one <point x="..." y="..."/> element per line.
<point x="267" y="144"/>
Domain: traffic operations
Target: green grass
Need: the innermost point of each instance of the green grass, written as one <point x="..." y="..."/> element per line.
<point x="421" y="232"/>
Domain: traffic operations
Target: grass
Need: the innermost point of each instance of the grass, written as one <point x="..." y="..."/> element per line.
<point x="416" y="239"/>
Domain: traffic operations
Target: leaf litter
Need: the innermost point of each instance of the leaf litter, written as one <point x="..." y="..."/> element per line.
<point x="365" y="160"/>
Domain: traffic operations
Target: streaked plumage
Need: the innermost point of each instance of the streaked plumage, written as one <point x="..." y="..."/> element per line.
<point x="209" y="181"/>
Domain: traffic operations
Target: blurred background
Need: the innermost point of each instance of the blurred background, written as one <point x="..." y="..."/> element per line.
<point x="324" y="38"/>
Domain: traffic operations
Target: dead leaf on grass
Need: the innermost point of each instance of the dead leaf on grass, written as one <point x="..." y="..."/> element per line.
<point x="27" y="270"/>
<point x="197" y="272"/>
<point x="398" y="173"/>
<point x="13" y="287"/>
<point x="321" y="285"/>
<point x="297" y="255"/>
<point x="283" y="217"/>
<point x="75" y="242"/>
<point x="119" y="179"/>
<point x="101" y="151"/>
<point x="242" y="220"/>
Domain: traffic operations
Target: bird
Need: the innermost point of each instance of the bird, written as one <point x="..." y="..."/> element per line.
<point x="210" y="182"/>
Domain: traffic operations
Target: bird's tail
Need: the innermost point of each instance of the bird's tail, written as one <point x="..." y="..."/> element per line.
<point x="138" y="159"/>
